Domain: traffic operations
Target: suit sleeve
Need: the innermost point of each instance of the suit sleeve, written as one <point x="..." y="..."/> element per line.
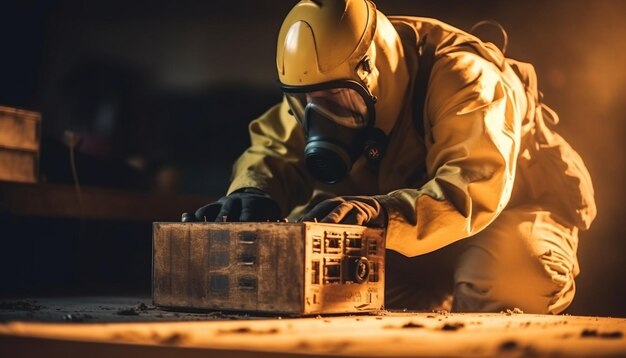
<point x="274" y="160"/>
<point x="472" y="140"/>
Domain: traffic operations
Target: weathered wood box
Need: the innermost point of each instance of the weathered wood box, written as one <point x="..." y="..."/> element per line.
<point x="293" y="268"/>
<point x="19" y="144"/>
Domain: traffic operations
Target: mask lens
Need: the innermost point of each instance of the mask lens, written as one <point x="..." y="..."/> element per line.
<point x="344" y="106"/>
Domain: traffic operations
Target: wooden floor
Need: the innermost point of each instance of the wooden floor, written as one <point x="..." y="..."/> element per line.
<point x="131" y="327"/>
<point x="127" y="327"/>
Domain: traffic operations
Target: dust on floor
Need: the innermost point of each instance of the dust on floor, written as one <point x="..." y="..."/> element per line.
<point x="138" y="329"/>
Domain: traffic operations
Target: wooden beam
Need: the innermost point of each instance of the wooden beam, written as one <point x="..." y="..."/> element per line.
<point x="53" y="200"/>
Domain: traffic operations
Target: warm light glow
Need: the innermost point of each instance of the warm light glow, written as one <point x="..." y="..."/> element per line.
<point x="420" y="334"/>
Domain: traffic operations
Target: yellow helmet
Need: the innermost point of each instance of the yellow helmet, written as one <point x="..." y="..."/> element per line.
<point x="321" y="41"/>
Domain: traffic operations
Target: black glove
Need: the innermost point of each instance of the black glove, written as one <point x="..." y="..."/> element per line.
<point x="354" y="210"/>
<point x="249" y="204"/>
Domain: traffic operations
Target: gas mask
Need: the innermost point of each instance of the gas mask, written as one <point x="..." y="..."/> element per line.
<point x="338" y="121"/>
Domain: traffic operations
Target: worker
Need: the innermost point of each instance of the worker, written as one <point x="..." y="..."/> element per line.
<point x="413" y="125"/>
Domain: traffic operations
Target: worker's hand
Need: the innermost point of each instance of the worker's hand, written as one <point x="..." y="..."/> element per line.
<point x="249" y="204"/>
<point x="354" y="210"/>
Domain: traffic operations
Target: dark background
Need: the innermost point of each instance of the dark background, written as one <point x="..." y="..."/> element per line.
<point x="162" y="89"/>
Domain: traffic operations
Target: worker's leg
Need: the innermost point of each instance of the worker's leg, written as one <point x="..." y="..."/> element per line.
<point x="524" y="259"/>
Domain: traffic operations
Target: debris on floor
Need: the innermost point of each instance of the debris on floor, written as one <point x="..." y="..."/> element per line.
<point x="92" y="323"/>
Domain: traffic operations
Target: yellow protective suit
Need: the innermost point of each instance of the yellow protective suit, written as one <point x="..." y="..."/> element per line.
<point x="495" y="174"/>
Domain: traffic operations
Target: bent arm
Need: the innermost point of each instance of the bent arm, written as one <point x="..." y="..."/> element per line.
<point x="472" y="146"/>
<point x="274" y="160"/>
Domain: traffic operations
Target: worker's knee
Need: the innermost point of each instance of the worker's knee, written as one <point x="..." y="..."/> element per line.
<point x="546" y="289"/>
<point x="531" y="267"/>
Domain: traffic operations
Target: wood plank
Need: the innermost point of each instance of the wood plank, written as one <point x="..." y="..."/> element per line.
<point x="161" y="265"/>
<point x="18" y="165"/>
<point x="19" y="129"/>
<point x="281" y="268"/>
<point x="179" y="256"/>
<point x="53" y="200"/>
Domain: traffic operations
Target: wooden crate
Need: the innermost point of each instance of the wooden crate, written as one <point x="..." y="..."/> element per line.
<point x="19" y="144"/>
<point x="293" y="268"/>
